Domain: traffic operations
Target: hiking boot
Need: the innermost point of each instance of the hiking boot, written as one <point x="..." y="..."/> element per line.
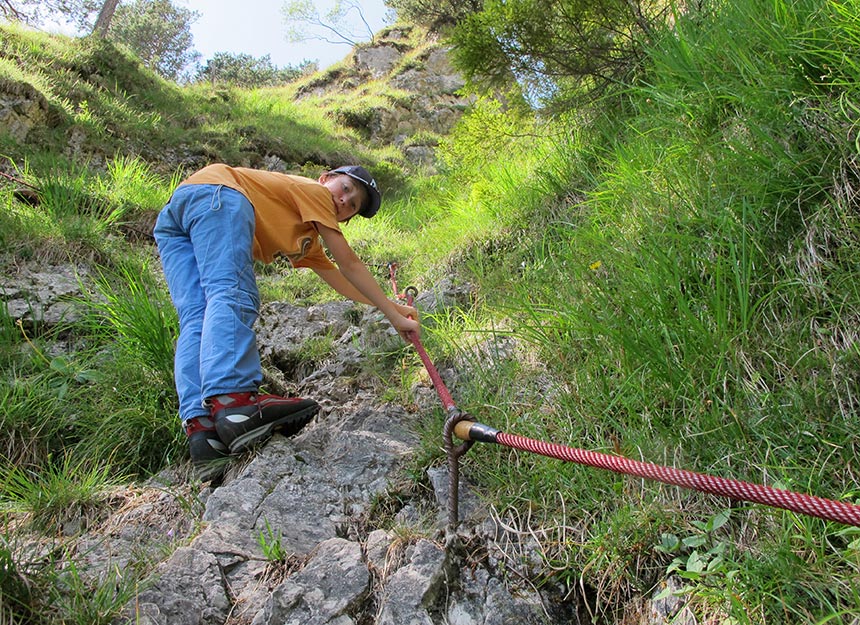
<point x="209" y="455"/>
<point x="243" y="420"/>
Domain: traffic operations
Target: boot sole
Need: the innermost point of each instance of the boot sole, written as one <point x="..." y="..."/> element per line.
<point x="212" y="469"/>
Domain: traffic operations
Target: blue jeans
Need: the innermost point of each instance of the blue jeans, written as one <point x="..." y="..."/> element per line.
<point x="205" y="235"/>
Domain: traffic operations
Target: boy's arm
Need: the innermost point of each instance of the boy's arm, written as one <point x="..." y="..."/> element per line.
<point x="357" y="283"/>
<point x="336" y="280"/>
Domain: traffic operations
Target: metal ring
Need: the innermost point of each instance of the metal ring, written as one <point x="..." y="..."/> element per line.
<point x="448" y="433"/>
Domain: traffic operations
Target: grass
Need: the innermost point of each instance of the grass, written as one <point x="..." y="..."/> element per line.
<point x="65" y="492"/>
<point x="675" y="281"/>
<point x="676" y="303"/>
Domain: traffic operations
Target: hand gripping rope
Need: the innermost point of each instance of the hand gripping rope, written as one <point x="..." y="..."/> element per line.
<point x="453" y="451"/>
<point x="467" y="429"/>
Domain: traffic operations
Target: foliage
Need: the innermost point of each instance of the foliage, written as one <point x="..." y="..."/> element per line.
<point x="93" y="85"/>
<point x="269" y="541"/>
<point x="554" y="48"/>
<point x="131" y="187"/>
<point x="15" y="589"/>
<point x="79" y="599"/>
<point x="158" y="32"/>
<point x="243" y="70"/>
<point x="437" y="16"/>
<point x="686" y="286"/>
<point x="62" y="493"/>
<point x="132" y="310"/>
<point x="77" y="211"/>
<point x="488" y="128"/>
<point x="46" y="586"/>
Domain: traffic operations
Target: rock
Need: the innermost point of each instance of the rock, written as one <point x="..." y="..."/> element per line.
<point x="22" y="108"/>
<point x="44" y="296"/>
<point x="484" y="600"/>
<point x="146" y="518"/>
<point x="411" y="592"/>
<point x="432" y="103"/>
<point x="377" y="60"/>
<point x="189" y="591"/>
<point x="284" y="330"/>
<point x="310" y="499"/>
<point x="325" y="592"/>
<point x="470" y="509"/>
<point x="423" y="155"/>
<point x="668" y="605"/>
<point x="377" y="334"/>
<point x="436" y="75"/>
<point x="447" y="293"/>
<point x="376" y="548"/>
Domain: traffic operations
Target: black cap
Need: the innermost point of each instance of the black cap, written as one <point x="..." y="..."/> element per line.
<point x="363" y="176"/>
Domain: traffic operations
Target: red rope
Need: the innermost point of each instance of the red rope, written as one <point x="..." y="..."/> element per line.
<point x="807" y="504"/>
<point x="441" y="389"/>
<point x="392" y="277"/>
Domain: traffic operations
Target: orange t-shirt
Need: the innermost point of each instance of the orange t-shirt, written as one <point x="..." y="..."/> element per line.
<point x="286" y="210"/>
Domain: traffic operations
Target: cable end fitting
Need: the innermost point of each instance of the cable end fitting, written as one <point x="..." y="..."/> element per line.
<point x="474" y="431"/>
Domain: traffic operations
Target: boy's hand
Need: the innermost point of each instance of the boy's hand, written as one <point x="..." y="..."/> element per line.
<point x="407" y="311"/>
<point x="358" y="284"/>
<point x="407" y="328"/>
<point x="408" y="314"/>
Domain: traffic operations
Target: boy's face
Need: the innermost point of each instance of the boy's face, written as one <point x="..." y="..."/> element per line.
<point x="349" y="195"/>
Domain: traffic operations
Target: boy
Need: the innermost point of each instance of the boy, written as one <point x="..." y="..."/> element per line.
<point x="216" y="223"/>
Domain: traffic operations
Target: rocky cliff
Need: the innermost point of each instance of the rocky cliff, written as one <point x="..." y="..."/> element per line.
<point x="400" y="90"/>
<point x="415" y="66"/>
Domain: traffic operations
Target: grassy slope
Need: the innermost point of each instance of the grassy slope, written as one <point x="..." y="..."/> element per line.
<point x="688" y="286"/>
<point x="682" y="274"/>
<point x="101" y="97"/>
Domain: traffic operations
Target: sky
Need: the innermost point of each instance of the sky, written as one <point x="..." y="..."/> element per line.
<point x="257" y="28"/>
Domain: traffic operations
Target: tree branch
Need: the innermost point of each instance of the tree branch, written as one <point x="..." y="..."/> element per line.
<point x="10" y="11"/>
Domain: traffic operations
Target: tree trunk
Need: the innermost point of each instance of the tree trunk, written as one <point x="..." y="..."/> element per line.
<point x="105" y="16"/>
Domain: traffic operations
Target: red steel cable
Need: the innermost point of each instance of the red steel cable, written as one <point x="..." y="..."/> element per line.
<point x="807" y="504"/>
<point x="826" y="509"/>
<point x="392" y="277"/>
<point x="441" y="389"/>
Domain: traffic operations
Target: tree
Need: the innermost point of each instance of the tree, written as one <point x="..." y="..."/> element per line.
<point x="158" y="32"/>
<point x="344" y="23"/>
<point x="105" y="17"/>
<point x="554" y="48"/>
<point x="243" y="70"/>
<point x="36" y="12"/>
<point x="436" y="15"/>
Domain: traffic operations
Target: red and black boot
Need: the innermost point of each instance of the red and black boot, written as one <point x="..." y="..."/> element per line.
<point x="243" y="420"/>
<point x="209" y="455"/>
